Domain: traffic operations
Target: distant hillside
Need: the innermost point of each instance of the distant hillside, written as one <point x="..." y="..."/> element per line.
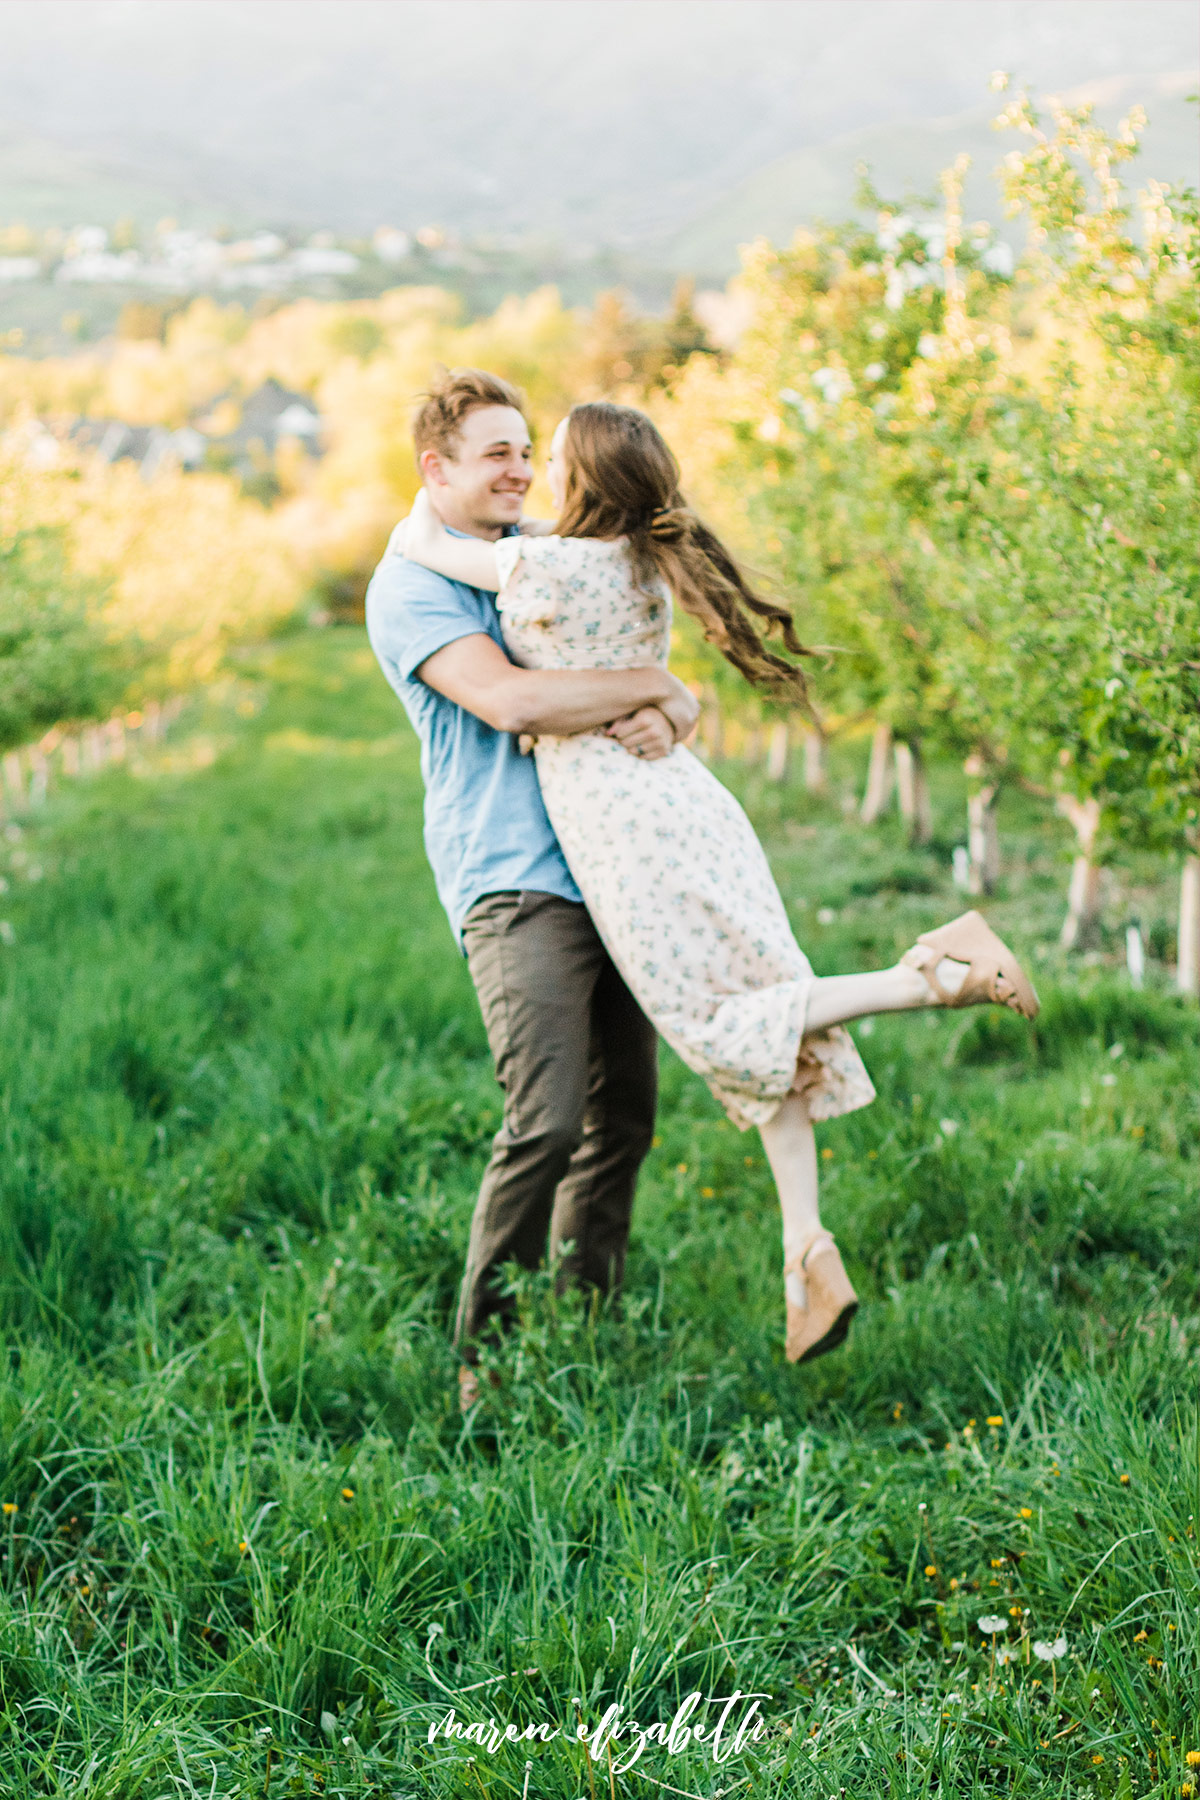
<point x="46" y="183"/>
<point x="819" y="182"/>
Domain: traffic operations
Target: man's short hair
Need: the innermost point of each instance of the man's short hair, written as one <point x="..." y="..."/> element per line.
<point x="452" y="395"/>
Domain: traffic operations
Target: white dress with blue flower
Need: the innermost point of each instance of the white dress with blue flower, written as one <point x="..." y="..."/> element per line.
<point x="664" y="856"/>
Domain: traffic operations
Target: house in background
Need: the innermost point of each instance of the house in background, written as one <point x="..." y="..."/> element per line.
<point x="245" y="434"/>
<point x="151" y="447"/>
<point x="241" y="435"/>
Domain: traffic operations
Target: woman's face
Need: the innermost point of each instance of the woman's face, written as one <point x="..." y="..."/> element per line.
<point x="556" y="466"/>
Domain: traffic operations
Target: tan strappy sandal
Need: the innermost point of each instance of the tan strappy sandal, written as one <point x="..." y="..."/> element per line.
<point x="820" y="1299"/>
<point x="994" y="974"/>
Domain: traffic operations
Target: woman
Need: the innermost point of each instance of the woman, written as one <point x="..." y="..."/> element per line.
<point x="664" y="856"/>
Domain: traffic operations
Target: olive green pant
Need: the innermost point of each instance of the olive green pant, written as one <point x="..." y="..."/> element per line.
<point x="576" y="1058"/>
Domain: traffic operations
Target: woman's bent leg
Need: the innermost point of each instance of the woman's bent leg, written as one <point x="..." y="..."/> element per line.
<point x="791" y="1147"/>
<point x="820" y="1299"/>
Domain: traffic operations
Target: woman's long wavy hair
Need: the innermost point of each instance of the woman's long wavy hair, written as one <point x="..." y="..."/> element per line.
<point x="621" y="480"/>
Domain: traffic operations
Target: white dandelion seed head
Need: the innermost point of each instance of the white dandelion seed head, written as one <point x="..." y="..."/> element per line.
<point x="1050" y="1652"/>
<point x="991" y="1624"/>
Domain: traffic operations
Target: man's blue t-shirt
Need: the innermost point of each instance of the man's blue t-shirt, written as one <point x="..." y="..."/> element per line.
<point x="486" y="829"/>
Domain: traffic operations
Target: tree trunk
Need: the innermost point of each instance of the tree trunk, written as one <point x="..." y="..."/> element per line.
<point x="1083" y="894"/>
<point x="777" y="751"/>
<point x="814" y="761"/>
<point x="14" y="780"/>
<point x="879" y="776"/>
<point x="912" y="792"/>
<point x="1187" y="974"/>
<point x="712" y="730"/>
<point x="1135" y="956"/>
<point x="983" y="838"/>
<point x="39" y="778"/>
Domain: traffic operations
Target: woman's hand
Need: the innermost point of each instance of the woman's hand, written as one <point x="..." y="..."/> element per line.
<point x="647" y="733"/>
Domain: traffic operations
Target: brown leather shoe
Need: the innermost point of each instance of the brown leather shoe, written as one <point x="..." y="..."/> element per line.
<point x="993" y="974"/>
<point x="820" y="1300"/>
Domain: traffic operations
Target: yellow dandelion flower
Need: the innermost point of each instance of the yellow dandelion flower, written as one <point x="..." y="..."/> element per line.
<point x="995" y="1418"/>
<point x="827" y="1154"/>
<point x="347" y="1493"/>
<point x="1139" y="1637"/>
<point x="1027" y="1512"/>
<point x="1097" y="1759"/>
<point x="707" y="1193"/>
<point x="681" y="1168"/>
<point x="970" y="1424"/>
<point x="997" y="1562"/>
<point x="10" y="1507"/>
<point x="953" y="1582"/>
<point x="1186" y="1788"/>
<point x="1124" y="1480"/>
<point x="1014" y="1612"/>
<point x="1192" y="1759"/>
<point x="897" y="1410"/>
<point x="931" y="1568"/>
<point x="244" y="1547"/>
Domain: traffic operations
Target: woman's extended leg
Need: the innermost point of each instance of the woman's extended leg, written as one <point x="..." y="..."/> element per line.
<point x="963" y="963"/>
<point x="835" y="999"/>
<point x="820" y="1299"/>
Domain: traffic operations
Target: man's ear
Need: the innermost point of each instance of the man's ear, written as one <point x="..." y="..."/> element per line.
<point x="430" y="464"/>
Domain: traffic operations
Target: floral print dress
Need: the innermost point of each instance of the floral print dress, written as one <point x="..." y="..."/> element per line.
<point x="667" y="861"/>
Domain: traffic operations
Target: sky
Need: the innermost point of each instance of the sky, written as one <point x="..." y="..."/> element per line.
<point x="588" y="121"/>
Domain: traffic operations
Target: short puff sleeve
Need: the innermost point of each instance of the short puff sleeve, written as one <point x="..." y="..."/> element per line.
<point x="535" y="576"/>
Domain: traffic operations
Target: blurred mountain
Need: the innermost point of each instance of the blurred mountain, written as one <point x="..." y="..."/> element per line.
<point x="906" y="159"/>
<point x="636" y="123"/>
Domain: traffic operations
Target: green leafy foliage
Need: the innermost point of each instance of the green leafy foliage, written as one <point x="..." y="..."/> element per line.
<point x="56" y="661"/>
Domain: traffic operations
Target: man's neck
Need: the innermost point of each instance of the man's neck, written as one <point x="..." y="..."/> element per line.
<point x="468" y="527"/>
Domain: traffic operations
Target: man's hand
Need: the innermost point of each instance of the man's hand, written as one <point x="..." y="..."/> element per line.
<point x="647" y="733"/>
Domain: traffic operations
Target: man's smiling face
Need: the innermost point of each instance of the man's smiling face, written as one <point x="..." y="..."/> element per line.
<point x="482" y="487"/>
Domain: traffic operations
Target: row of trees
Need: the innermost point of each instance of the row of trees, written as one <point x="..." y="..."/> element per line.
<point x="982" y="492"/>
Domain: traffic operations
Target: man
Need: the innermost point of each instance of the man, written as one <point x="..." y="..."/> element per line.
<point x="573" y="1052"/>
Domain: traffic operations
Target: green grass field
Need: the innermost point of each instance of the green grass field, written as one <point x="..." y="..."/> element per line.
<point x="249" y="1546"/>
